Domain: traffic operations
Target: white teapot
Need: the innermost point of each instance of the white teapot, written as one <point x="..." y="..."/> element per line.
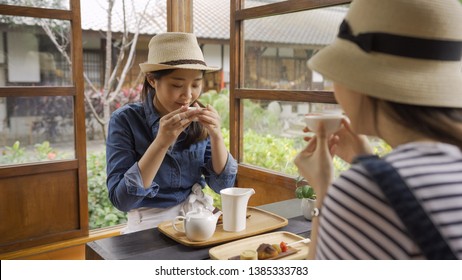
<point x="198" y="225"/>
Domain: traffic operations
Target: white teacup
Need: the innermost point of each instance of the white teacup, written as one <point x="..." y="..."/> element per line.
<point x="332" y="122"/>
<point x="192" y="108"/>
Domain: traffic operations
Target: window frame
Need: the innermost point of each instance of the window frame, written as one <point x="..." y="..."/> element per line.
<point x="76" y="166"/>
<point x="247" y="173"/>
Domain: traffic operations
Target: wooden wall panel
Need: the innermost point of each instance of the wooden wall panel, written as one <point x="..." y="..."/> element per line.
<point x="38" y="206"/>
<point x="265" y="192"/>
<point x="47" y="202"/>
<point x="269" y="186"/>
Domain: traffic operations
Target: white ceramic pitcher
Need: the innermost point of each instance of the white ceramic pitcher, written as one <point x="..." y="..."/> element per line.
<point x="234" y="207"/>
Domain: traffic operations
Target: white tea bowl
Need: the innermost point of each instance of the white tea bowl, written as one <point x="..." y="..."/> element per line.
<point x="192" y="108"/>
<point x="332" y="122"/>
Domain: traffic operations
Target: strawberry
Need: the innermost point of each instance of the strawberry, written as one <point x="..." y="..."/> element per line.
<point x="283" y="246"/>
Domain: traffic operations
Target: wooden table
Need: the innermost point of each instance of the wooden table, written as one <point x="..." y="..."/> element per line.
<point x="150" y="244"/>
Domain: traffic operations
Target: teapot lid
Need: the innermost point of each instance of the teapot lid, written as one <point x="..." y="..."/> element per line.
<point x="199" y="213"/>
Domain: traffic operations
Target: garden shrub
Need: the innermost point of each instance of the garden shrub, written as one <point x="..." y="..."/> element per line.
<point x="101" y="211"/>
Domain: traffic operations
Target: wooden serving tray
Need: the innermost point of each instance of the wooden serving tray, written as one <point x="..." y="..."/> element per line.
<point x="230" y="250"/>
<point x="260" y="221"/>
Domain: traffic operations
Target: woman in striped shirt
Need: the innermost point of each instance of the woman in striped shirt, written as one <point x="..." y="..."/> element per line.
<point x="397" y="72"/>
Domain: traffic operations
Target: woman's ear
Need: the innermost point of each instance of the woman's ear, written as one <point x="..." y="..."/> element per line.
<point x="152" y="83"/>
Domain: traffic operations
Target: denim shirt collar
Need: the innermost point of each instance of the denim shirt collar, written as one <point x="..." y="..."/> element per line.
<point x="152" y="116"/>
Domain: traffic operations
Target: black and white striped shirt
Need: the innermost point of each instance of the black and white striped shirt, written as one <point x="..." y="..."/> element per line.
<point x="358" y="223"/>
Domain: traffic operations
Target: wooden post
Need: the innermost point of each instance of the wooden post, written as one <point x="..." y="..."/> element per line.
<point x="180" y="16"/>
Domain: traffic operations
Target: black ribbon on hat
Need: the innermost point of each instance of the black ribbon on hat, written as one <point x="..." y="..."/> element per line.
<point x="403" y="46"/>
<point x="184" y="61"/>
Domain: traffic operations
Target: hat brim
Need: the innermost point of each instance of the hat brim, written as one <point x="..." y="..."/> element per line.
<point x="149" y="67"/>
<point x="393" y="78"/>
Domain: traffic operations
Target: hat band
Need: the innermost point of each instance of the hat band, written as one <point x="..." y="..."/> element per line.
<point x="403" y="46"/>
<point x="184" y="61"/>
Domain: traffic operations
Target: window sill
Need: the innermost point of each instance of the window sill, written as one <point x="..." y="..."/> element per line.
<point x="92" y="236"/>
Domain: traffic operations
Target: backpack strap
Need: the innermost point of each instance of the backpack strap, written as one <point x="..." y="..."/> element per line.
<point x="407" y="207"/>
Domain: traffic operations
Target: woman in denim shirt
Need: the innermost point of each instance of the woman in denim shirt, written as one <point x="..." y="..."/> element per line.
<point x="160" y="154"/>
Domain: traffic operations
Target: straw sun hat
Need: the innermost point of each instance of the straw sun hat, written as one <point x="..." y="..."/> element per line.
<point x="175" y="50"/>
<point x="406" y="51"/>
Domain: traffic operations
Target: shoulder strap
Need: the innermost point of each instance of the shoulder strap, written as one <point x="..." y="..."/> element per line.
<point x="408" y="209"/>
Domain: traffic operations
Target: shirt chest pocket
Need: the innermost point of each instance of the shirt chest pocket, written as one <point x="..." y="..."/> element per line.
<point x="182" y="169"/>
<point x="191" y="163"/>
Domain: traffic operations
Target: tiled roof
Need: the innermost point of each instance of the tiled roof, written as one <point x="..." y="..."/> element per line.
<point x="211" y="21"/>
<point x="315" y="27"/>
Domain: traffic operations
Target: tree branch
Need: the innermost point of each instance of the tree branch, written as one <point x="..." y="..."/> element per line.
<point x="130" y="58"/>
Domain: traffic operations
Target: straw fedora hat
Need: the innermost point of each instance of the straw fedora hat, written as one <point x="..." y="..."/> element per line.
<point x="405" y="51"/>
<point x="175" y="50"/>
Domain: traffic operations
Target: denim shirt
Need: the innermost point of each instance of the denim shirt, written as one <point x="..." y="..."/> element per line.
<point x="132" y="128"/>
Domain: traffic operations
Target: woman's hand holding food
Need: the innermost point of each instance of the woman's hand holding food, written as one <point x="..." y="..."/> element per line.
<point x="211" y="120"/>
<point x="172" y="124"/>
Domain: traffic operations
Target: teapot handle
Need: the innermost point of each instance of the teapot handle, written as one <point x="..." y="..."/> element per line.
<point x="176" y="220"/>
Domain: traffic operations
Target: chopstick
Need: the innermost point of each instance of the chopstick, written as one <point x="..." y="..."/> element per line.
<point x="306" y="240"/>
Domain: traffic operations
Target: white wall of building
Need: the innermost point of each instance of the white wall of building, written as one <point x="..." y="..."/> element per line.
<point x="212" y="55"/>
<point x="218" y="55"/>
<point x="23" y="58"/>
<point x="226" y="62"/>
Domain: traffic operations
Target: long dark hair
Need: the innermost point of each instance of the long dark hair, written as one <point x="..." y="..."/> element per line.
<point x="437" y="123"/>
<point x="195" y="132"/>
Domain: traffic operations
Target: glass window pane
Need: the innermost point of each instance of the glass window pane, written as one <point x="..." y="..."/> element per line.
<point x="277" y="48"/>
<point x="93" y="68"/>
<point x="52" y="4"/>
<point x="34" y="129"/>
<point x="28" y="54"/>
<point x="273" y="133"/>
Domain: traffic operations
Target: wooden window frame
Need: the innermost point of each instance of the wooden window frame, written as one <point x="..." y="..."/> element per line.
<point x="10" y="175"/>
<point x="179" y="16"/>
<point x="281" y="185"/>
